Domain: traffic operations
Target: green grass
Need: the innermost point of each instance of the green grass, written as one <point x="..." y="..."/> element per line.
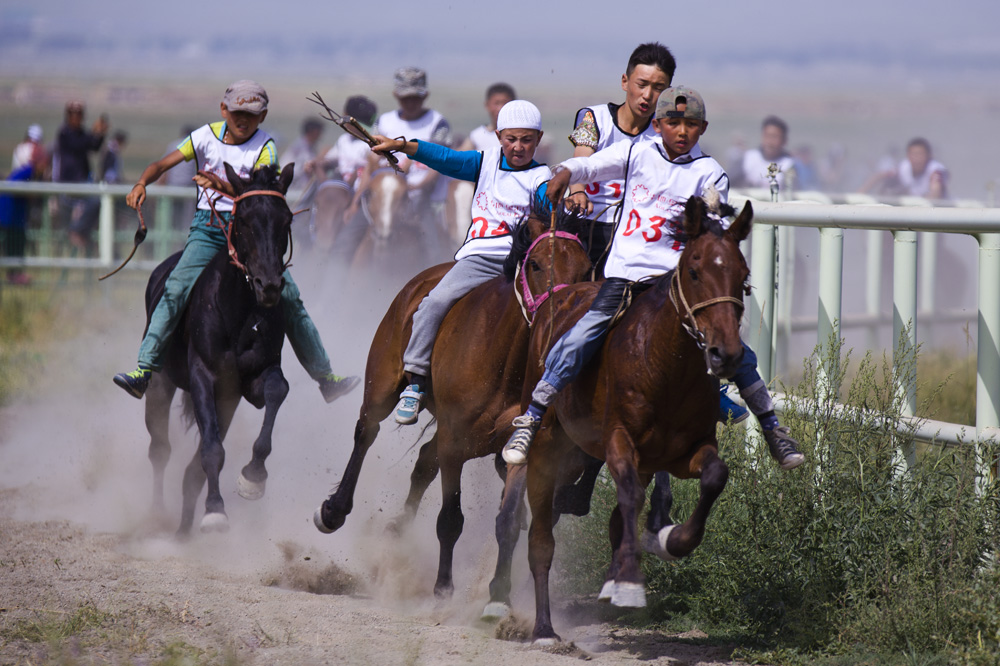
<point x="851" y="558"/>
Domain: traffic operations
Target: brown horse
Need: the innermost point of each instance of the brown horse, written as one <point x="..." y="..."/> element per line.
<point x="645" y="403"/>
<point x="478" y="368"/>
<point x="385" y="205"/>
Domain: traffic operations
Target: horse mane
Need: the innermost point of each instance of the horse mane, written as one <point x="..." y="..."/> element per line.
<point x="264" y="177"/>
<point x="541" y="209"/>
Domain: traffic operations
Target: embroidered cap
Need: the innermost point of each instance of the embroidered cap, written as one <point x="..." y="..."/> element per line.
<point x="246" y="95"/>
<point x="410" y="81"/>
<point x="519" y="114"/>
<point x="666" y="107"/>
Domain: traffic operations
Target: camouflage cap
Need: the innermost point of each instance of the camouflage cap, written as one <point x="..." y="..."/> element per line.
<point x="246" y="95"/>
<point x="410" y="81"/>
<point x="666" y="107"/>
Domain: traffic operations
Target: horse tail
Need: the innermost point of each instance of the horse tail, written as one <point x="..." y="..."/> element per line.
<point x="187" y="411"/>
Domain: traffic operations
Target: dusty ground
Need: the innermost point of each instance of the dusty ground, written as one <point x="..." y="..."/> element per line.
<point x="86" y="576"/>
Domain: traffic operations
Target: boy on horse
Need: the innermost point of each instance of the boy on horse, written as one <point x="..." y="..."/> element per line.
<point x="659" y="178"/>
<point x="506" y="178"/>
<point x="238" y="141"/>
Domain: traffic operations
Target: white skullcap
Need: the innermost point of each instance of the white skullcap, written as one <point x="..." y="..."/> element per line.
<point x="519" y="114"/>
<point x="35" y="132"/>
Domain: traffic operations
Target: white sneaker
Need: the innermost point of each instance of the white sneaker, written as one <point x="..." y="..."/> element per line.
<point x="515" y="451"/>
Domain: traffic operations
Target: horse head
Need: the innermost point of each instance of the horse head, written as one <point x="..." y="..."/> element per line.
<point x="543" y="260"/>
<point x="386" y="196"/>
<point x="708" y="285"/>
<point x="259" y="229"/>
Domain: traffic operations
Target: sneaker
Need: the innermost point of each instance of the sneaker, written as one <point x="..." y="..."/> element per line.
<point x="333" y="386"/>
<point x="783" y="448"/>
<point x="515" y="451"/>
<point x="135" y="382"/>
<point x="730" y="410"/>
<point x="410" y="402"/>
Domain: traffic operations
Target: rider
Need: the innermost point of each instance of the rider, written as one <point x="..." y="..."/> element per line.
<point x="506" y="180"/>
<point x="649" y="72"/>
<point x="661" y="177"/>
<point x="485" y="136"/>
<point x="238" y="141"/>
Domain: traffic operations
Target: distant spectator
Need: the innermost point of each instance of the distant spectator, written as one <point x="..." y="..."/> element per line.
<point x="773" y="137"/>
<point x="833" y="169"/>
<point x="14" y="211"/>
<point x="111" y="161"/>
<point x="71" y="164"/>
<point x="303" y="151"/>
<point x="348" y="158"/>
<point x="806" y="171"/>
<point x="733" y="158"/>
<point x="485" y="136"/>
<point x="918" y="175"/>
<point x="31" y="152"/>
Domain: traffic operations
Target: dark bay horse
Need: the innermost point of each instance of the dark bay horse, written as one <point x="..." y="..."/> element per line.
<point x="227" y="346"/>
<point x="478" y="369"/>
<point x="644" y="404"/>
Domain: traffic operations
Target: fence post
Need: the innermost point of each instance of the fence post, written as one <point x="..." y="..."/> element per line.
<point x="873" y="283"/>
<point x="761" y="331"/>
<point x="904" y="323"/>
<point x="831" y="287"/>
<point x="106" y="230"/>
<point x="988" y="346"/>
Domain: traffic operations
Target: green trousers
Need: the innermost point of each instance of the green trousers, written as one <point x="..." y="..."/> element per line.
<point x="203" y="243"/>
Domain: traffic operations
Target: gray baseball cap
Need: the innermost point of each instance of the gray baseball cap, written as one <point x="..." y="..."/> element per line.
<point x="246" y="95"/>
<point x="410" y="81"/>
<point x="666" y="107"/>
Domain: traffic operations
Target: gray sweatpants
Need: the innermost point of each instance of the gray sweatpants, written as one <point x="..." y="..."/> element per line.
<point x="467" y="274"/>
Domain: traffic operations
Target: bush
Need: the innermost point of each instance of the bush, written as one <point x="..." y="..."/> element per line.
<point x="854" y="552"/>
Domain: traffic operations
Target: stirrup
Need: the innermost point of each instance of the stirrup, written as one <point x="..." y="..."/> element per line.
<point x="411" y="400"/>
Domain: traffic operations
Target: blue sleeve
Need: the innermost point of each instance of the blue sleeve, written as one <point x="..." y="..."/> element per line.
<point x="461" y="164"/>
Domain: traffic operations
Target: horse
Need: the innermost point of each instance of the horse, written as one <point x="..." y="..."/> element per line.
<point x="644" y="404"/>
<point x="456" y="211"/>
<point x="332" y="198"/>
<point x="226" y="347"/>
<point x="478" y="368"/>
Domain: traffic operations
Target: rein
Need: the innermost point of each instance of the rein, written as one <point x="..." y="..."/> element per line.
<point x="677" y="294"/>
<point x="227" y="227"/>
<point x="529" y="302"/>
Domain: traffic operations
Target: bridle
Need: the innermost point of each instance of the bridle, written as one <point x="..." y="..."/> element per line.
<point x="688" y="319"/>
<point x="529" y="302"/>
<point x="227" y="227"/>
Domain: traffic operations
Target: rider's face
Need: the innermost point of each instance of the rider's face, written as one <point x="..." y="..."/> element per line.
<point x="241" y="125"/>
<point x="642" y="88"/>
<point x="519" y="145"/>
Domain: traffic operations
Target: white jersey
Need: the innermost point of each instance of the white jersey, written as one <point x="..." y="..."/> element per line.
<point x="431" y="126"/>
<point x="605" y="194"/>
<point x="351" y="156"/>
<point x="755" y="168"/>
<point x="919" y="186"/>
<point x="210" y="153"/>
<point x="483" y="138"/>
<point x="502" y="199"/>
<point x="656" y="190"/>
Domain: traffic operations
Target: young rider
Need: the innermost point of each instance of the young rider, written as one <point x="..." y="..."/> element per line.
<point x="660" y="175"/>
<point x="238" y="141"/>
<point x="506" y="179"/>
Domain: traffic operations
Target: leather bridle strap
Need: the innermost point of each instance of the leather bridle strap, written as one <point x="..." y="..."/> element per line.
<point x="677" y="294"/>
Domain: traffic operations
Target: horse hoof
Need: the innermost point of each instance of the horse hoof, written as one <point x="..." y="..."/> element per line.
<point x="546" y="642"/>
<point x="215" y="522"/>
<point x="318" y="521"/>
<point x="607" y="591"/>
<point x="656" y="544"/>
<point x="629" y="595"/>
<point x="248" y="489"/>
<point x="495" y="611"/>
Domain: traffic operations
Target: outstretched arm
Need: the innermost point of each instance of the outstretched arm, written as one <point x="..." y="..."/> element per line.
<point x="150" y="174"/>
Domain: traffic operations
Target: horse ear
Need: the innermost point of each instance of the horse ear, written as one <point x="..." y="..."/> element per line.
<point x="537" y="226"/>
<point x="239" y="185"/>
<point x="694" y="213"/>
<point x="285" y="179"/>
<point x="740" y="228"/>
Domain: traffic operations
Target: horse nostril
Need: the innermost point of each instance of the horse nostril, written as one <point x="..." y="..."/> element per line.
<point x="282" y="284"/>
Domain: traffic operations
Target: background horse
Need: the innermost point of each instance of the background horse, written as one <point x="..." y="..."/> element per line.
<point x="456" y="211"/>
<point x="644" y="404"/>
<point x="332" y="198"/>
<point x="478" y="368"/>
<point x="227" y="346"/>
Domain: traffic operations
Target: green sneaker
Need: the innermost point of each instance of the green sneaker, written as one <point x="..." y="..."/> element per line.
<point x="333" y="386"/>
<point x="135" y="382"/>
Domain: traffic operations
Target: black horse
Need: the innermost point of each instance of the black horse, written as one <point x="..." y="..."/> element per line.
<point x="227" y="346"/>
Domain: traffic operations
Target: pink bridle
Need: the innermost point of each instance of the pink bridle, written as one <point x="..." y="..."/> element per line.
<point x="532" y="303"/>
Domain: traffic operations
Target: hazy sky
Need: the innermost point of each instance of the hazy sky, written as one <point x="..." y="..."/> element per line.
<point x="756" y="43"/>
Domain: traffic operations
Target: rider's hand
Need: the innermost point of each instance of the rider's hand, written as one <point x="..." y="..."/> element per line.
<point x="557" y="185"/>
<point x="136" y="196"/>
<point x="384" y="143"/>
<point x="580" y="203"/>
<point x="210" y="180"/>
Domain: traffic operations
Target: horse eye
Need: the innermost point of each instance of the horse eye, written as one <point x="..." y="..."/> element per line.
<point x="534" y="265"/>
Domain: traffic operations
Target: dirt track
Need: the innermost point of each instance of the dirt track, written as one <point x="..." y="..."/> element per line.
<point x="77" y="543"/>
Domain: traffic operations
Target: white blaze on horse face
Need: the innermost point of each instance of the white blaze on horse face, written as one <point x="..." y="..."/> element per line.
<point x="388" y="193"/>
<point x="718" y="261"/>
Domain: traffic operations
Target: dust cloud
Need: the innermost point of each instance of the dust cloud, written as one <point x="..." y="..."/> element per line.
<point x="76" y="451"/>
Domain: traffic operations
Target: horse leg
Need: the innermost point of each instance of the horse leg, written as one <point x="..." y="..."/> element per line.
<point x="542" y="468"/>
<point x="252" y="479"/>
<point x="658" y="522"/>
<point x="159" y="395"/>
<point x="629" y="590"/>
<point x="212" y="419"/>
<point x="508" y="528"/>
<point x="680" y="540"/>
<point x="574" y="498"/>
<point x="424" y="471"/>
<point x="449" y="523"/>
<point x="332" y="513"/>
<point x="194" y="481"/>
